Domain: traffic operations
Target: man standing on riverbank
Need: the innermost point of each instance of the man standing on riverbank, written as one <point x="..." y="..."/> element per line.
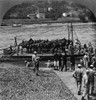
<point x="34" y="57"/>
<point x="86" y="60"/>
<point x="77" y="74"/>
<point x="37" y="65"/>
<point x="56" y="61"/>
<point x="35" y="61"/>
<point x="91" y="79"/>
<point x="85" y="86"/>
<point x="64" y="62"/>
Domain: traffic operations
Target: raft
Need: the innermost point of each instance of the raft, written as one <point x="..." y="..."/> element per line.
<point x="28" y="57"/>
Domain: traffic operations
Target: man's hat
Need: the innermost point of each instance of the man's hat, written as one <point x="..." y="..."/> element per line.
<point x="35" y="52"/>
<point x="25" y="61"/>
<point x="79" y="65"/>
<point x="91" y="66"/>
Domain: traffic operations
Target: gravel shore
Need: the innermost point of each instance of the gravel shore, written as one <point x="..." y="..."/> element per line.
<point x="23" y="84"/>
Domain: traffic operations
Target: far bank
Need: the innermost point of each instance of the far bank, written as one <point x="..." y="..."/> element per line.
<point x="10" y="22"/>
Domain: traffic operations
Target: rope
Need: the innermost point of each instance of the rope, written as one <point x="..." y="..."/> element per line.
<point x="75" y="34"/>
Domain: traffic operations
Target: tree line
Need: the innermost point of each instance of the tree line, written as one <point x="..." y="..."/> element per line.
<point x="58" y="7"/>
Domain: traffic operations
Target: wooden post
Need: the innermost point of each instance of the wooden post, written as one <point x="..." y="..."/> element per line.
<point x="72" y="34"/>
<point x="15" y="41"/>
<point x="68" y="32"/>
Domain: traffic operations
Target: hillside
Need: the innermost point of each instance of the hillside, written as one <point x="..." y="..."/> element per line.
<point x="52" y="9"/>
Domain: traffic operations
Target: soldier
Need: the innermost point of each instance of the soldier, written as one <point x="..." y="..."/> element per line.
<point x="72" y="60"/>
<point x="91" y="79"/>
<point x="59" y="59"/>
<point x="85" y="85"/>
<point x="94" y="62"/>
<point x="56" y="61"/>
<point x="37" y="65"/>
<point x="48" y="64"/>
<point x="82" y="62"/>
<point x="86" y="60"/>
<point x="34" y="55"/>
<point x="77" y="74"/>
<point x="64" y="62"/>
<point x="35" y="61"/>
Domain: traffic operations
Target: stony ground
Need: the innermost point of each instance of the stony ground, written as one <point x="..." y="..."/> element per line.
<point x="23" y="84"/>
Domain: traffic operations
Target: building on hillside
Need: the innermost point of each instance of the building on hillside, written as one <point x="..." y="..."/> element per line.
<point x="74" y="13"/>
<point x="49" y="8"/>
<point x="70" y="14"/>
<point x="14" y="15"/>
<point x="40" y="15"/>
<point x="37" y="15"/>
<point x="64" y="14"/>
<point x="31" y="16"/>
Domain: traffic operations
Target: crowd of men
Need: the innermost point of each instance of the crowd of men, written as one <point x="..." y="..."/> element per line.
<point x="85" y="80"/>
<point x="85" y="73"/>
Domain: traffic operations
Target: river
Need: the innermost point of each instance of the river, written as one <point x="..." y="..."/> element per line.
<point x="86" y="32"/>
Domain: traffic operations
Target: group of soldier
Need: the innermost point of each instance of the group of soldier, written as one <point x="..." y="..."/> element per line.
<point x="85" y="80"/>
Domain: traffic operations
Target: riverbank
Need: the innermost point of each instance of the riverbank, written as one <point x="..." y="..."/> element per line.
<point x="22" y="83"/>
<point x="8" y="22"/>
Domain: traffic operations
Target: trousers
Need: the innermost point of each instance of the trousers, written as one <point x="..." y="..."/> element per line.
<point x="79" y="84"/>
<point x="91" y="87"/>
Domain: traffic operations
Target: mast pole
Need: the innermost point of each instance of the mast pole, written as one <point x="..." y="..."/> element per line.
<point x="72" y="34"/>
<point x="68" y="33"/>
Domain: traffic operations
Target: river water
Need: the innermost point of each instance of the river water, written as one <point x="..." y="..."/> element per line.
<point x="86" y="32"/>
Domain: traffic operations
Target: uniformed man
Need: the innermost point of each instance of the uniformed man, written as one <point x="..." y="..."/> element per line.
<point x="85" y="85"/>
<point x="37" y="65"/>
<point x="94" y="62"/>
<point x="77" y="74"/>
<point x="91" y="79"/>
<point x="86" y="60"/>
<point x="34" y="55"/>
<point x="64" y="62"/>
<point x="56" y="61"/>
<point x="35" y="61"/>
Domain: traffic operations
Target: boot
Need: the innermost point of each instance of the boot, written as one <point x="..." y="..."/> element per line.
<point x="82" y="98"/>
<point x="79" y="93"/>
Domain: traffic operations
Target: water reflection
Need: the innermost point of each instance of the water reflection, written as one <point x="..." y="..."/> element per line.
<point x="94" y="35"/>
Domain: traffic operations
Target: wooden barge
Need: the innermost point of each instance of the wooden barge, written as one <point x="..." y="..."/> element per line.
<point x="27" y="56"/>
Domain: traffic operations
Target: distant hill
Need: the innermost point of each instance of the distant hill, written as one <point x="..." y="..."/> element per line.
<point x="58" y="7"/>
